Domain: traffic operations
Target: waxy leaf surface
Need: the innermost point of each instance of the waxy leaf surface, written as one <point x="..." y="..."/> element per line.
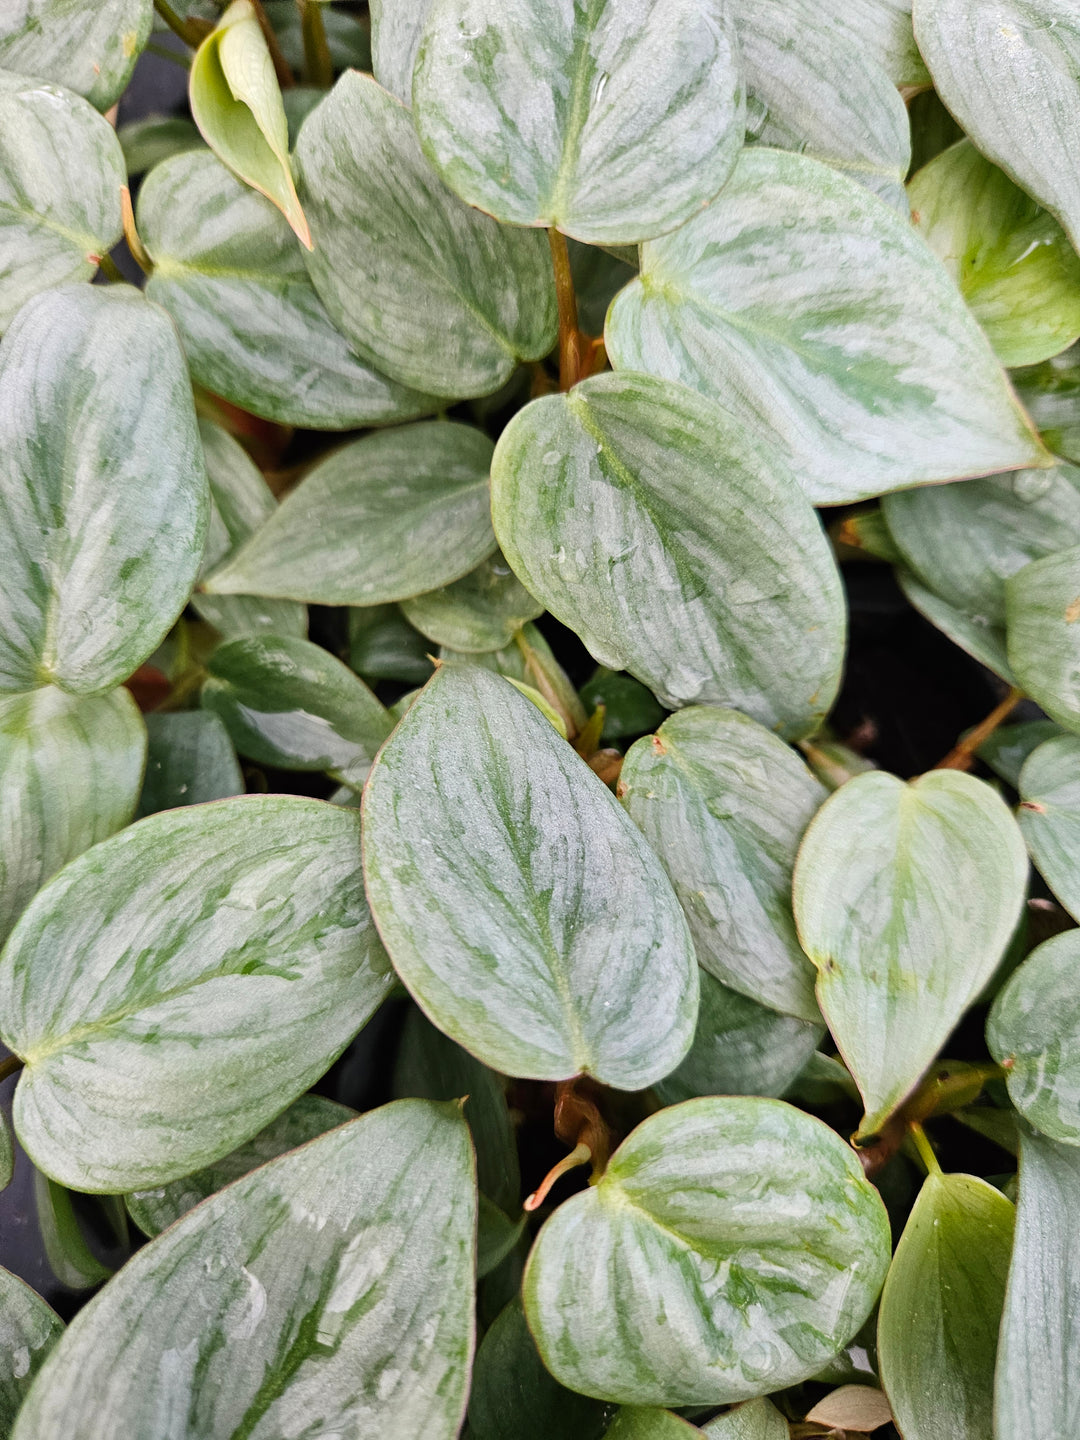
<point x="518" y="901"/>
<point x="90" y="46"/>
<point x="189" y="760"/>
<point x="1042" y="607"/>
<point x="482" y="611"/>
<point x="1049" y="814"/>
<point x="755" y="1420"/>
<point x="732" y="1246"/>
<point x="973" y="633"/>
<point x="396" y="28"/>
<point x="28" y="1330"/>
<point x="177" y="986"/>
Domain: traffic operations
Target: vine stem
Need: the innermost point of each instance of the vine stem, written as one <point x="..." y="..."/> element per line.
<point x="925" y="1149"/>
<point x="570" y="337"/>
<point x="318" y="66"/>
<point x="580" y="1155"/>
<point x="10" y="1066"/>
<point x="962" y="755"/>
<point x="110" y="269"/>
<point x="192" y="32"/>
<point x="281" y="65"/>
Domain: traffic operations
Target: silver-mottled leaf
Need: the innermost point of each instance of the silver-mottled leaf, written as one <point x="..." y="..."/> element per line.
<point x="383" y="518"/>
<point x="905" y="898"/>
<point x="396" y="27"/>
<point x="178" y="985"/>
<point x="103" y="494"/>
<point x="480" y="612"/>
<point x="810" y="309"/>
<point x="974" y="634"/>
<point x="28" y="1330"/>
<point x="328" y="1292"/>
<point x="451" y="318"/>
<point x="518" y="901"/>
<point x="724" y="803"/>
<point x="646" y="1422"/>
<point x="1049" y="814"/>
<point x="732" y="1246"/>
<point x="1042" y="607"/>
<point x="1050" y="393"/>
<point x="90" y="46"/>
<point x="190" y="760"/>
<point x="755" y="1420"/>
<point x="1006" y="750"/>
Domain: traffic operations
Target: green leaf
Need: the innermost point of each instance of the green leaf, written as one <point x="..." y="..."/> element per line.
<point x="1006" y="750"/>
<point x="155" y="1210"/>
<point x="518" y="901"/>
<point x="883" y="29"/>
<point x="75" y="1263"/>
<point x="515" y="1398"/>
<point x="973" y="633"/>
<point x="177" y="986"/>
<point x="289" y="703"/>
<point x="346" y="36"/>
<point x="1051" y="395"/>
<point x="384" y="518"/>
<point x="1007" y="69"/>
<point x="613" y="123"/>
<point x="1049" y="814"/>
<point x="396" y="28"/>
<point x="70" y="771"/>
<point x="236" y="103"/>
<point x="941" y="1307"/>
<point x="756" y="1420"/>
<point x="1034" y="1031"/>
<point x="630" y="708"/>
<point x="155" y="138"/>
<point x="7" y="1151"/>
<point x="739" y="1048"/>
<point x="675" y="544"/>
<point x="229" y="271"/>
<point x="90" y="46"/>
<point x="384" y="646"/>
<point x="964" y="541"/>
<point x="1037" y="1385"/>
<point x="1011" y="259"/>
<point x="103" y="496"/>
<point x="240" y="502"/>
<point x="763" y="1247"/>
<point x="724" y="803"/>
<point x="190" y="760"/>
<point x="450" y="319"/>
<point x="480" y="612"/>
<point x="61" y="170"/>
<point x="598" y="276"/>
<point x="28" y="1330"/>
<point x="817" y="87"/>
<point x="641" y="1422"/>
<point x="867" y="363"/>
<point x="905" y="898"/>
<point x="330" y="1290"/>
<point x="1042" y="607"/>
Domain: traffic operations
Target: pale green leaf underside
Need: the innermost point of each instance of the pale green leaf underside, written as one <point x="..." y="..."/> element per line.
<point x="972" y="633"/>
<point x="230" y="272"/>
<point x="763" y="1247"/>
<point x="646" y="1422"/>
<point x="189" y="760"/>
<point x="384" y="518"/>
<point x="677" y="545"/>
<point x="724" y="803"/>
<point x="70" y="772"/>
<point x="103" y="495"/>
<point x="756" y="1420"/>
<point x="28" y="1330"/>
<point x="1042" y="607"/>
<point x="450" y="300"/>
<point x="1012" y="260"/>
<point x="1049" y="815"/>
<point x="519" y="903"/>
<point x="61" y="169"/>
<point x="810" y="310"/>
<point x="1034" y="1031"/>
<point x="905" y="899"/>
<point x="327" y="1292"/>
<point x="613" y="121"/>
<point x="179" y="984"/>
<point x="90" y="46"/>
<point x="940" y="1310"/>
<point x="1037" y="1385"/>
<point x="480" y="612"/>
<point x="1009" y="70"/>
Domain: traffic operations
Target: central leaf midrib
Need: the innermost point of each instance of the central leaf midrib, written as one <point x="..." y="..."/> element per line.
<point x="577" y="114"/>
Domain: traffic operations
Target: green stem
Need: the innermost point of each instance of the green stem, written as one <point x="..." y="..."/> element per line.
<point x="10" y="1066"/>
<point x="925" y="1149"/>
<point x="164" y="53"/>
<point x="281" y="65"/>
<point x="318" y="66"/>
<point x="190" y="33"/>
<point x="110" y="270"/>
<point x="569" y="335"/>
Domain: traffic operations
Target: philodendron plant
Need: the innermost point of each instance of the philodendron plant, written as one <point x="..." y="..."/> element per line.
<point x="509" y="333"/>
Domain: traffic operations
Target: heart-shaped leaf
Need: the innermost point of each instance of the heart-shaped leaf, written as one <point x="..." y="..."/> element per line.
<point x="330" y="1290"/>
<point x="312" y="1115"/>
<point x="481" y="611"/>
<point x="732" y="1246"/>
<point x="1049" y="815"/>
<point x="384" y="518"/>
<point x="190" y="760"/>
<point x="289" y="703"/>
<point x="236" y="103"/>
<point x="549" y="944"/>
<point x="884" y="30"/>
<point x="70" y="771"/>
<point x="724" y="803"/>
<point x="1037" y="1385"/>
<point x="676" y="544"/>
<point x="103" y="496"/>
<point x="177" y="986"/>
<point x="941" y="1308"/>
<point x="396" y="28"/>
<point x="29" y="1330"/>
<point x="965" y="540"/>
<point x="1007" y="69"/>
<point x="869" y="366"/>
<point x="645" y="1422"/>
<point x="61" y="169"/>
<point x="88" y="45"/>
<point x="612" y="122"/>
<point x="453" y="318"/>
<point x="756" y="1420"/>
<point x="1034" y="1032"/>
<point x="1042" y="607"/>
<point x="229" y="271"/>
<point x="739" y="1048"/>
<point x="905" y="899"/>
<point x="1011" y="259"/>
